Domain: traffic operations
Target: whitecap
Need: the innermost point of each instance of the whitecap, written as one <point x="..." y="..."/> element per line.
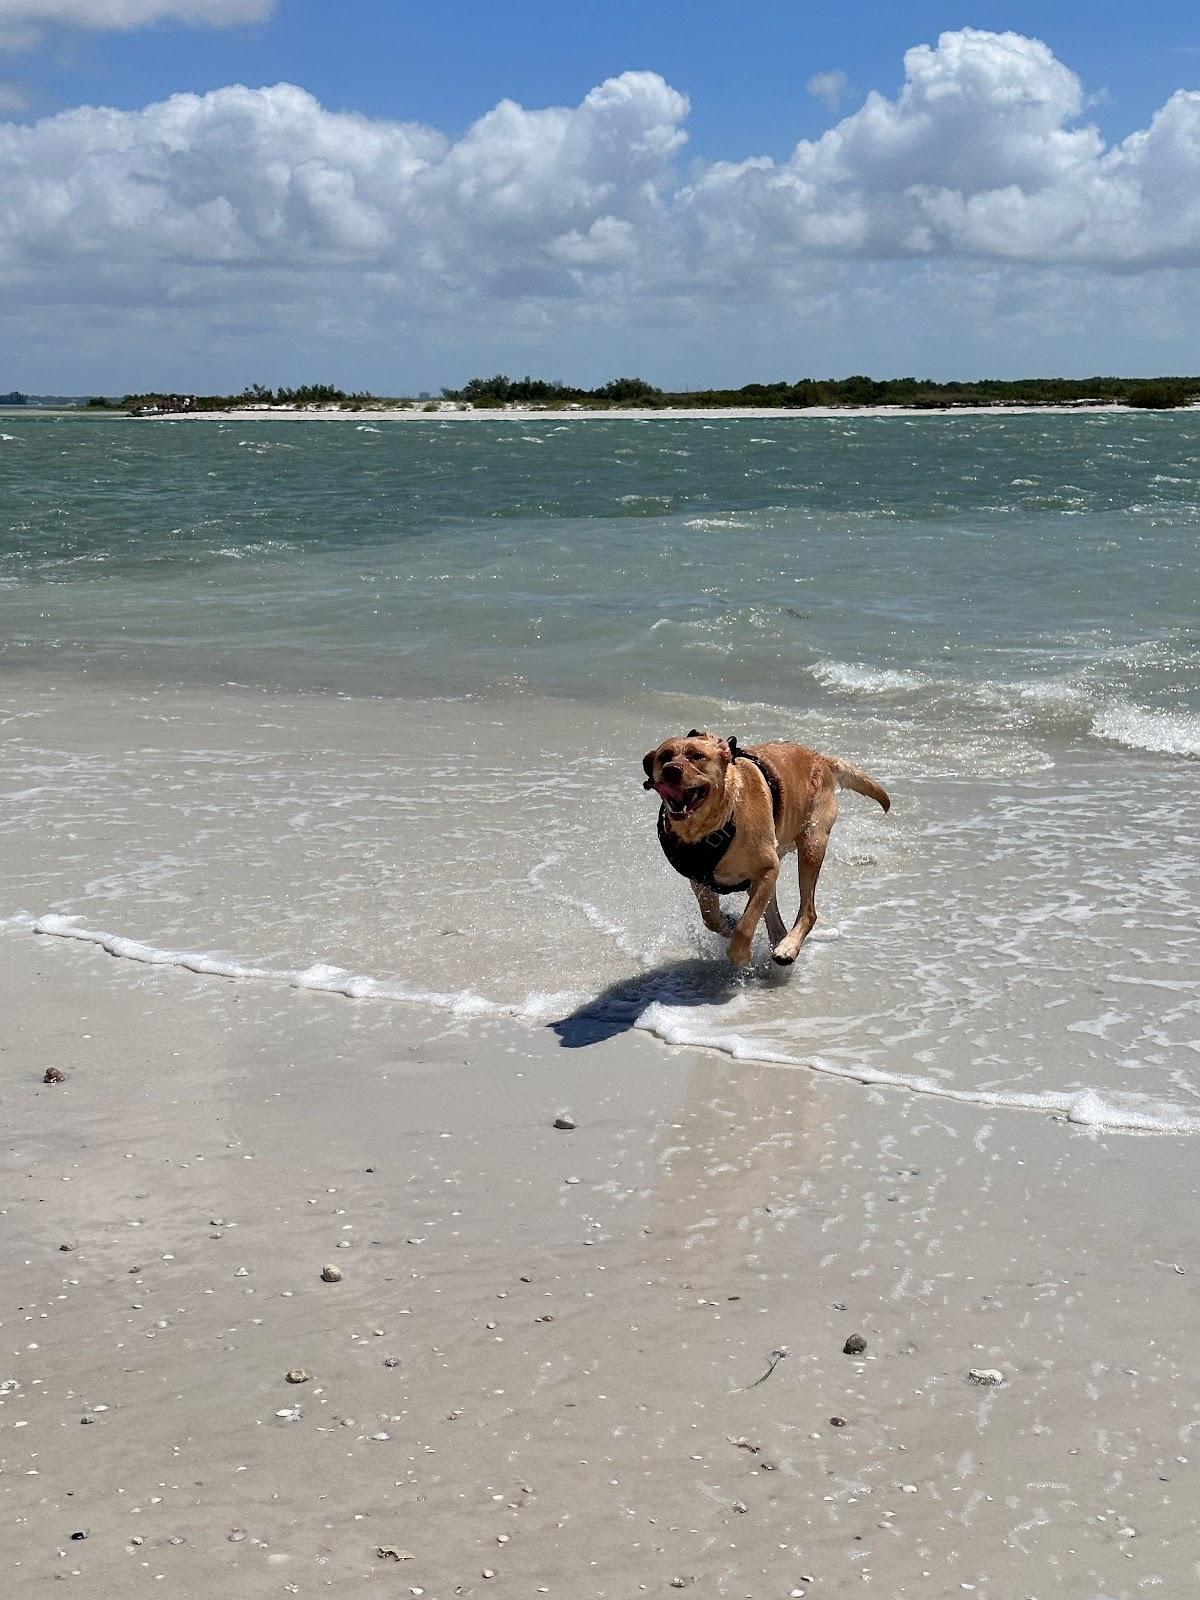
<point x="853" y="677"/>
<point x="1171" y="733"/>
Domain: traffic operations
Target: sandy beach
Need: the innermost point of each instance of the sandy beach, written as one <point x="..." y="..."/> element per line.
<point x="545" y="1358"/>
<point x="544" y="1367"/>
<point x="447" y="410"/>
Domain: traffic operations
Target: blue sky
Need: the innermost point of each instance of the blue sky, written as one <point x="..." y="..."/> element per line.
<point x="950" y="234"/>
<point x="744" y="67"/>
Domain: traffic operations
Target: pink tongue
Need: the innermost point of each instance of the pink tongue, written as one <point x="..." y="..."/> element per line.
<point x="670" y="791"/>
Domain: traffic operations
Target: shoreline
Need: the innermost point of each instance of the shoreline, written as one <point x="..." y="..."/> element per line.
<point x="452" y="412"/>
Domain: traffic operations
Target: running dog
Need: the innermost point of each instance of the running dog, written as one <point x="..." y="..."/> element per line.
<point x="727" y="817"/>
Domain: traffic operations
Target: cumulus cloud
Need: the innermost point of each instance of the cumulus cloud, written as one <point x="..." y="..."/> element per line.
<point x="828" y="88"/>
<point x="243" y="179"/>
<point x="242" y="195"/>
<point x="23" y="22"/>
<point x="980" y="155"/>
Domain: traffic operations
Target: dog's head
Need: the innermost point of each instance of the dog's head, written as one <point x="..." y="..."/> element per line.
<point x="686" y="771"/>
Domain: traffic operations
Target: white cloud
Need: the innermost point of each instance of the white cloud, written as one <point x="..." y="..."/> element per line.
<point x="828" y="88"/>
<point x="260" y="206"/>
<point x="23" y="22"/>
<point x="981" y="155"/>
<point x="14" y="99"/>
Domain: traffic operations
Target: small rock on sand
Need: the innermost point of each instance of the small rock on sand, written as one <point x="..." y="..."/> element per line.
<point x="986" y="1377"/>
<point x="53" y="1075"/>
<point x="298" y="1375"/>
<point x="565" y="1121"/>
<point x="331" y="1274"/>
<point x="854" y="1345"/>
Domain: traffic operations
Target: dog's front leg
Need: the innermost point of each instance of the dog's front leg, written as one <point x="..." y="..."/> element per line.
<point x="761" y="896"/>
<point x="713" y="917"/>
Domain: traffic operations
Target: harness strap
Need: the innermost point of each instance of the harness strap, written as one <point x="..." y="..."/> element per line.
<point x="772" y="781"/>
<point x="699" y="860"/>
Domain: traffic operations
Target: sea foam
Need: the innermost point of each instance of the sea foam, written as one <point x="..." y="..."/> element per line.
<point x="675" y="1025"/>
<point x="1086" y="1106"/>
<point x="1171" y="733"/>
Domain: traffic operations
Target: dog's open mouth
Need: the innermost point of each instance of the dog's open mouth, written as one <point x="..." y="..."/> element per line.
<point x="681" y="802"/>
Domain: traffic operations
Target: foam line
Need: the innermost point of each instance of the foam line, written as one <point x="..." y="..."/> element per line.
<point x="1087" y="1106"/>
<point x="319" y="977"/>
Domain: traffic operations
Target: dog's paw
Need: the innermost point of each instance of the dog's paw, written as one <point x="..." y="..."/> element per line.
<point x="739" y="951"/>
<point x="783" y="960"/>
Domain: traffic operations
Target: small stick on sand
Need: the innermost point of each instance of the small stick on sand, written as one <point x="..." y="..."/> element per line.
<point x="775" y="1358"/>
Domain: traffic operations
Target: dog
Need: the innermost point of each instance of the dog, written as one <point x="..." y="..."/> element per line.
<point x="727" y="817"/>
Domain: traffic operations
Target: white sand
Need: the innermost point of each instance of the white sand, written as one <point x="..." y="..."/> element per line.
<point x="217" y="1142"/>
<point x="450" y="412"/>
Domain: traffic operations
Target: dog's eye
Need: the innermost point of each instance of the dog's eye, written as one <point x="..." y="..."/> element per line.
<point x="694" y="755"/>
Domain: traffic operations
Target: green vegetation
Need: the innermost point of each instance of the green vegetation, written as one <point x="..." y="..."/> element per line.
<point x="500" y="391"/>
<point x="858" y="390"/>
<point x="1161" y="394"/>
<point x="254" y="394"/>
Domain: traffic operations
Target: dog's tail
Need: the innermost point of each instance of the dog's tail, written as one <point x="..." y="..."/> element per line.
<point x="848" y="776"/>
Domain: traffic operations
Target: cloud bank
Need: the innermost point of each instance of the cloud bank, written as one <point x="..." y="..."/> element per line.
<point x="243" y="194"/>
<point x="23" y="22"/>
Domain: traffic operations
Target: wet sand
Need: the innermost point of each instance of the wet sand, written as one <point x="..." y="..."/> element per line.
<point x="573" y="1404"/>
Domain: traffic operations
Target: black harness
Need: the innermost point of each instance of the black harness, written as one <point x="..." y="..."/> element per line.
<point x="699" y="861"/>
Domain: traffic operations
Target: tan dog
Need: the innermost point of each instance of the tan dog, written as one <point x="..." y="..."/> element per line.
<point x="728" y="815"/>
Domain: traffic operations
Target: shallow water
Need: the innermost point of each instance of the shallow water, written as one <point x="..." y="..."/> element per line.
<point x="997" y="616"/>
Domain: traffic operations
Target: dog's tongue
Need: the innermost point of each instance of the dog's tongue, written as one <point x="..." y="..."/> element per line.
<point x="671" y="791"/>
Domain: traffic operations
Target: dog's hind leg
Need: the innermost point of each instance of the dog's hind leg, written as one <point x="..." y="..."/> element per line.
<point x="810" y="856"/>
<point x="776" y="927"/>
<point x="714" y="918"/>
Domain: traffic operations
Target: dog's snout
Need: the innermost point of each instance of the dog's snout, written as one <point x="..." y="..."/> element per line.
<point x="672" y="770"/>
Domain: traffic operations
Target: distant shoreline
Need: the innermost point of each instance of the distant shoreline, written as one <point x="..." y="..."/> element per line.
<point x="648" y="414"/>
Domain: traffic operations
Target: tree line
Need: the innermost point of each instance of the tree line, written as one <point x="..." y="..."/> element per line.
<point x="858" y="390"/>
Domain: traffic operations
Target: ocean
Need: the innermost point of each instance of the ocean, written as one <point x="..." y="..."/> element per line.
<point x="361" y="706"/>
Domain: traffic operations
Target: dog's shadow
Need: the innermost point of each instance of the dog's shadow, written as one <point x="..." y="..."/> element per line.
<point x="694" y="982"/>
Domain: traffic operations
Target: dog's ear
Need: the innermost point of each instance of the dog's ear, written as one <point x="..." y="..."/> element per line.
<point x="724" y="752"/>
<point x="648" y="765"/>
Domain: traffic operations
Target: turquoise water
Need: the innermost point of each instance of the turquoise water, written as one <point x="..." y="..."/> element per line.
<point x="1039" y="570"/>
<point x="363" y="708"/>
